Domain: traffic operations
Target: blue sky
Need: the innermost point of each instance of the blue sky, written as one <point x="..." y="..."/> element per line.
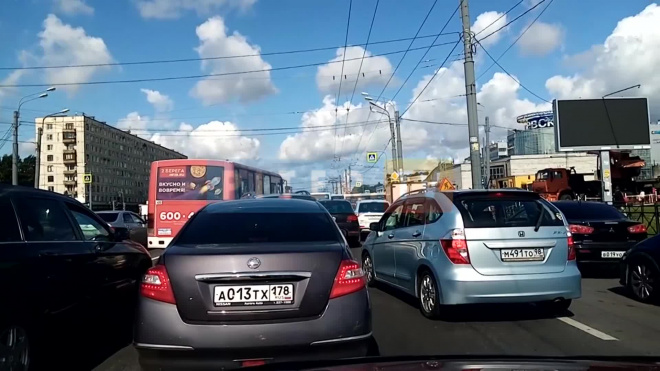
<point x="130" y="33"/>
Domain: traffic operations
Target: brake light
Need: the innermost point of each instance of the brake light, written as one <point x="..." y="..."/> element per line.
<point x="571" y="248"/>
<point x="156" y="285"/>
<point x="455" y="247"/>
<point x="350" y="278"/>
<point x="352" y="218"/>
<point x="637" y="228"/>
<point x="580" y="229"/>
<point x="253" y="363"/>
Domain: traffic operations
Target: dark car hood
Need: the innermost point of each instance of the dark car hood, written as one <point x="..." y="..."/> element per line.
<point x="476" y="363"/>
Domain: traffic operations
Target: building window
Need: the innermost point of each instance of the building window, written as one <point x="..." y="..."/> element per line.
<point x="49" y="126"/>
<point x="49" y="168"/>
<point x="51" y="188"/>
<point x="49" y="147"/>
<point x="68" y="125"/>
<point x="51" y="179"/>
<point x="49" y="136"/>
<point x="49" y="158"/>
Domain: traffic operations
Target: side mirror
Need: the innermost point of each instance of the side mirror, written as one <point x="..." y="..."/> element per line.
<point x="374" y="227"/>
<point x="121" y="234"/>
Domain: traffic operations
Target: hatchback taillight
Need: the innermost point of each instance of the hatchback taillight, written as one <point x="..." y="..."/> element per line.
<point x="156" y="285"/>
<point x="350" y="278"/>
<point x="352" y="218"/>
<point x="580" y="229"/>
<point x="455" y="246"/>
<point x="571" y="248"/>
<point x="637" y="228"/>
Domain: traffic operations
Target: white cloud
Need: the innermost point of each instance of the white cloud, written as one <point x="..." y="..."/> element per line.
<point x="171" y="9"/>
<point x="214" y="140"/>
<point x="541" y="39"/>
<point x="482" y="26"/>
<point x="323" y="136"/>
<point x="161" y="102"/>
<point x="73" y="7"/>
<point x="630" y="55"/>
<point x="135" y="122"/>
<point x="11" y="79"/>
<point x="374" y="71"/>
<point x="244" y="88"/>
<point x="65" y="45"/>
<point x="27" y="148"/>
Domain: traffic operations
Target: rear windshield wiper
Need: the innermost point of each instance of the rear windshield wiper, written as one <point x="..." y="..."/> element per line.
<point x="538" y="222"/>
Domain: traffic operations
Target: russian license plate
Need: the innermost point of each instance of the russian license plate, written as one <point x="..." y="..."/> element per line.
<point x="514" y="255"/>
<point x="611" y="254"/>
<point x="229" y="296"/>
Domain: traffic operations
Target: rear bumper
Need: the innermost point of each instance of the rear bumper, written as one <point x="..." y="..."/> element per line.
<point x="592" y="252"/>
<point x="467" y="286"/>
<point x="160" y="330"/>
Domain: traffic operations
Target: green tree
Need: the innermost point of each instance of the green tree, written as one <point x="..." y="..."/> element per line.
<point x="26" y="168"/>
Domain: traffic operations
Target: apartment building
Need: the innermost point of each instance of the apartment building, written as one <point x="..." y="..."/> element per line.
<point x="119" y="162"/>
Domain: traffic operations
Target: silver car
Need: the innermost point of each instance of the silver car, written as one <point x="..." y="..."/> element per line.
<point x="137" y="227"/>
<point x="254" y="281"/>
<point x="470" y="247"/>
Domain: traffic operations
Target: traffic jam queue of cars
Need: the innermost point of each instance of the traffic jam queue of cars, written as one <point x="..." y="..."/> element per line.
<point x="268" y="279"/>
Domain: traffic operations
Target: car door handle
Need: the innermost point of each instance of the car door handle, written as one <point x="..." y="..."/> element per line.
<point x="417" y="234"/>
<point x="390" y="236"/>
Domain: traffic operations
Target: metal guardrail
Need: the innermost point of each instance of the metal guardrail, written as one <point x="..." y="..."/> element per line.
<point x="646" y="214"/>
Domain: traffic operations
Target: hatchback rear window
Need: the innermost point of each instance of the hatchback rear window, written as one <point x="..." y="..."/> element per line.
<point x="108" y="217"/>
<point x="337" y="207"/>
<point x="243" y="228"/>
<point x="493" y="212"/>
<point x="588" y="211"/>
<point x="373" y="207"/>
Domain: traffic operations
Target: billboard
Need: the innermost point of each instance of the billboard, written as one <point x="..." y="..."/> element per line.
<point x="537" y="120"/>
<point x="601" y="124"/>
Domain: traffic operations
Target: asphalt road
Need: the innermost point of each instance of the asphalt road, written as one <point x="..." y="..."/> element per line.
<point x="604" y="322"/>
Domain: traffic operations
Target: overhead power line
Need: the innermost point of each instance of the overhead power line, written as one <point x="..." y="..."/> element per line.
<point x="513" y="20"/>
<point x="343" y="62"/>
<point x="128" y="81"/>
<point x="516" y="40"/>
<point x="500" y="17"/>
<point x="180" y="60"/>
<point x="511" y="76"/>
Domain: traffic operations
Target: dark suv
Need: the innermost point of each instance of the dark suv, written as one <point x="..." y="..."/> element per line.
<point x="63" y="270"/>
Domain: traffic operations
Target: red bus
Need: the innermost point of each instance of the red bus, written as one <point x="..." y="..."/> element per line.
<point x="179" y="188"/>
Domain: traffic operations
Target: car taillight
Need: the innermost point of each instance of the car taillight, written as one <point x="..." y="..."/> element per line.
<point x="455" y="247"/>
<point x="637" y="228"/>
<point x="350" y="278"/>
<point x="352" y="218"/>
<point x="571" y="248"/>
<point x="580" y="229"/>
<point x="156" y="285"/>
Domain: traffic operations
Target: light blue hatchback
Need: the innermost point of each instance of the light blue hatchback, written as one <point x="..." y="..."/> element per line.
<point x="470" y="247"/>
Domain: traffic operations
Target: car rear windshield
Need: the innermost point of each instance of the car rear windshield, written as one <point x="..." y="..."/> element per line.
<point x="496" y="212"/>
<point x="108" y="217"/>
<point x="208" y="228"/>
<point x="337" y="207"/>
<point x="588" y="211"/>
<point x="373" y="207"/>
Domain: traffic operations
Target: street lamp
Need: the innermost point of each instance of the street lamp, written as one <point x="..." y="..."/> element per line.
<point x="40" y="131"/>
<point x="397" y="161"/>
<point x="17" y="115"/>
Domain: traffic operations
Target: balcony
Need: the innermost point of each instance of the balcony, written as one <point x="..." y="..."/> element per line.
<point x="69" y="156"/>
<point x="69" y="138"/>
<point x="70" y="183"/>
<point x="72" y="172"/>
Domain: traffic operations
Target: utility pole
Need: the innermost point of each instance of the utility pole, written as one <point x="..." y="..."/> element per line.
<point x="350" y="180"/>
<point x="395" y="162"/>
<point x="487" y="153"/>
<point x="399" y="146"/>
<point x="37" y="163"/>
<point x="14" y="154"/>
<point x="471" y="98"/>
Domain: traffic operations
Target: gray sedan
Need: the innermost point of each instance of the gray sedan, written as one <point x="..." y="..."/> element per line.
<point x="254" y="281"/>
<point x="129" y="220"/>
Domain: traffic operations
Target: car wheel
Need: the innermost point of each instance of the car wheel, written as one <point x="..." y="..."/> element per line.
<point x="368" y="268"/>
<point x="643" y="281"/>
<point x="429" y="304"/>
<point x="16" y="348"/>
<point x="566" y="197"/>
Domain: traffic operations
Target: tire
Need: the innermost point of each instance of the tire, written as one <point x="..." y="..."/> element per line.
<point x="643" y="281"/>
<point x="354" y="242"/>
<point x="368" y="267"/>
<point x="557" y="306"/>
<point x="429" y="303"/>
<point x="15" y="338"/>
<point x="566" y="197"/>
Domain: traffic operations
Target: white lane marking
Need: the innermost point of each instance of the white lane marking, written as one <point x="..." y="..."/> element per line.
<point x="589" y="330"/>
